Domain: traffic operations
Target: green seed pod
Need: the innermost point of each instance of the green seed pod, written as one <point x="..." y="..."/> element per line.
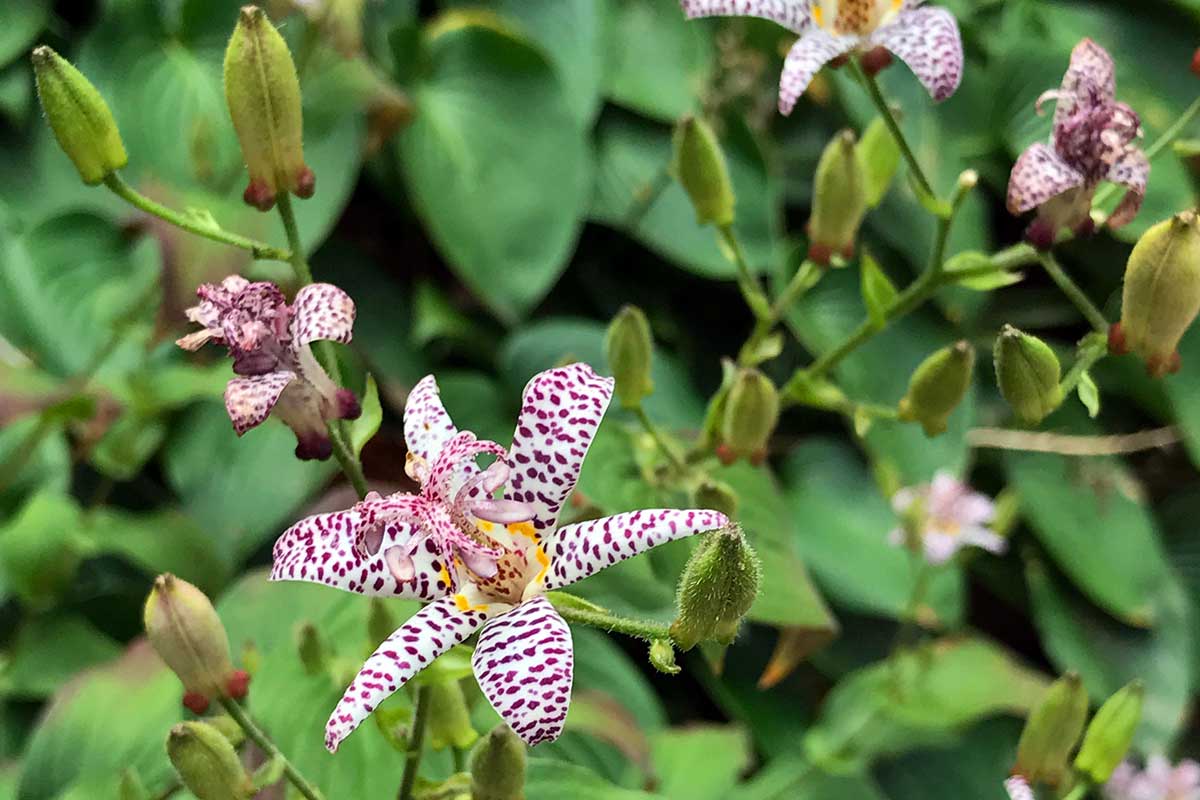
<point x="449" y="719"/>
<point x="187" y="634"/>
<point x="1052" y="731"/>
<point x="207" y="764"/>
<point x="662" y="657"/>
<point x="937" y="387"/>
<point x="699" y="166"/>
<point x="1162" y="291"/>
<point x="498" y="766"/>
<point x="1028" y="374"/>
<point x="630" y="350"/>
<point x="717" y="588"/>
<point x="1110" y="733"/>
<point x="79" y="117"/>
<point x="839" y="200"/>
<point x="263" y="94"/>
<point x="880" y="159"/>
<point x="717" y="495"/>
<point x="751" y="414"/>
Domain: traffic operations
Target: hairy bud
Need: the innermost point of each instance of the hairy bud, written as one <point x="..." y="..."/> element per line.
<point x="717" y="588"/>
<point x="937" y="387"/>
<point x="1028" y="374"/>
<point x="1110" y="733"/>
<point x="662" y="657"/>
<point x="187" y="634"/>
<point x="449" y="719"/>
<point x="79" y="117"/>
<point x="699" y="166"/>
<point x="1052" y="731"/>
<point x="751" y="414"/>
<point x="498" y="766"/>
<point x="630" y="351"/>
<point x="716" y="495"/>
<point x="839" y="199"/>
<point x="207" y="764"/>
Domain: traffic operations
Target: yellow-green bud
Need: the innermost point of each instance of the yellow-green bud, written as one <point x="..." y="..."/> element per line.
<point x="498" y="766"/>
<point x="716" y="495"/>
<point x="131" y="786"/>
<point x="1052" y="731"/>
<point x="699" y="166"/>
<point x="313" y="656"/>
<point x="717" y="588"/>
<point x="1028" y="374"/>
<point x="449" y="719"/>
<point x="187" y="634"/>
<point x="1162" y="291"/>
<point x="937" y="387"/>
<point x="880" y="159"/>
<point x="263" y="94"/>
<point x="839" y="200"/>
<point x="751" y="414"/>
<point x="662" y="657"/>
<point x="1110" y="733"/>
<point x="207" y="764"/>
<point x="630" y="350"/>
<point x="79" y="117"/>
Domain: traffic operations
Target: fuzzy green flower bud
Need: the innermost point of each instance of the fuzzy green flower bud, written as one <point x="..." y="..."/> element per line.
<point x="498" y="766"/>
<point x="630" y="350"/>
<point x="187" y="634"/>
<point x="449" y="719"/>
<point x="79" y="117"/>
<point x="207" y="764"/>
<point x="1028" y="374"/>
<point x="699" y="166"/>
<point x="717" y="588"/>
<point x="263" y="94"/>
<point x="1110" y="733"/>
<point x="839" y="200"/>
<point x="937" y="387"/>
<point x="1052" y="731"/>
<point x="716" y="495"/>
<point x="751" y="414"/>
<point x="662" y="657"/>
<point x="1162" y="292"/>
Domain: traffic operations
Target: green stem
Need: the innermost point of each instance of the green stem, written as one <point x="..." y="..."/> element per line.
<point x="1071" y="289"/>
<point x="296" y="258"/>
<point x="752" y="292"/>
<point x="806" y="277"/>
<point x="259" y="250"/>
<point x="893" y="125"/>
<point x="256" y="735"/>
<point x="1079" y="792"/>
<point x="459" y="756"/>
<point x="351" y="466"/>
<point x="639" y="629"/>
<point x="416" y="744"/>
<point x="659" y="439"/>
<point x="1161" y="143"/>
<point x="1090" y="352"/>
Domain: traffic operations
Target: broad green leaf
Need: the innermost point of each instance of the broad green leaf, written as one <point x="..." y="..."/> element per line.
<point x="553" y="780"/>
<point x="48" y="651"/>
<point x="48" y="467"/>
<point x="363" y="429"/>
<point x="795" y="778"/>
<point x="1183" y="392"/>
<point x="477" y="402"/>
<point x="700" y="762"/>
<point x="878" y="293"/>
<point x="973" y="767"/>
<point x="160" y="541"/>
<point x="41" y="548"/>
<point x="23" y="21"/>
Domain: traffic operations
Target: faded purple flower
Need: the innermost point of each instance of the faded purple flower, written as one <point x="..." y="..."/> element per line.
<point x="927" y="39"/>
<point x="270" y="343"/>
<point x="942" y="517"/>
<point x="1158" y="781"/>
<point x="1093" y="140"/>
<point x="524" y="659"/>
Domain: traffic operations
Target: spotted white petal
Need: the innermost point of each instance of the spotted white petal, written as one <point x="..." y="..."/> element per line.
<point x="1039" y="175"/>
<point x="524" y="663"/>
<point x="322" y="311"/>
<point x="795" y="15"/>
<point x="427" y="426"/>
<point x="815" y="49"/>
<point x="1132" y="171"/>
<point x="1091" y="79"/>
<point x="249" y="400"/>
<point x="928" y="40"/>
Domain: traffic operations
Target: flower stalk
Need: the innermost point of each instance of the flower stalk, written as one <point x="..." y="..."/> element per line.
<point x="416" y="743"/>
<point x="256" y="735"/>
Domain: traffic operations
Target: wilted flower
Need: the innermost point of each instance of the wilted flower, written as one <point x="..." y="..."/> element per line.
<point x="927" y="39"/>
<point x="1092" y="141"/>
<point x="523" y="660"/>
<point x="943" y="516"/>
<point x="1158" y="781"/>
<point x="270" y="343"/>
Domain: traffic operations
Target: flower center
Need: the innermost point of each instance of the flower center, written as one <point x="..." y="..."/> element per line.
<point x="854" y="17"/>
<point x="520" y="571"/>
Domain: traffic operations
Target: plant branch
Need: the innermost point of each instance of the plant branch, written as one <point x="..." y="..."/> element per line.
<point x="752" y="292"/>
<point x="416" y="743"/>
<point x="1071" y="289"/>
<point x="256" y="735"/>
<point x="639" y="629"/>
<point x="659" y="439"/>
<point x="893" y="125"/>
<point x="1067" y="445"/>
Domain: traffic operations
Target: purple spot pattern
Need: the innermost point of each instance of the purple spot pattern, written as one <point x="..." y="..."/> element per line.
<point x="524" y="663"/>
<point x="427" y="426"/>
<point x="583" y="549"/>
<point x="928" y="40"/>
<point x="1039" y="174"/>
<point x="323" y="549"/>
<point x="322" y="312"/>
<point x="795" y="15"/>
<point x="814" y="50"/>
<point x="560" y="411"/>
<point x="249" y="401"/>
<point x="426" y="635"/>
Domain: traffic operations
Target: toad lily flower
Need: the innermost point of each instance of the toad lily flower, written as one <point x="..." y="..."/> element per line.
<point x="1158" y="781"/>
<point x="1092" y="141"/>
<point x="942" y="517"/>
<point x="523" y="660"/>
<point x="270" y="343"/>
<point x="927" y="39"/>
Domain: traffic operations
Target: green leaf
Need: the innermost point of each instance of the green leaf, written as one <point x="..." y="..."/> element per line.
<point x="700" y="762"/>
<point x="23" y="21"/>
<point x="1089" y="394"/>
<point x="503" y="199"/>
<point x="554" y="780"/>
<point x="363" y="429"/>
<point x="48" y="651"/>
<point x="878" y="293"/>
<point x="41" y="549"/>
<point x="973" y="767"/>
<point x="161" y="541"/>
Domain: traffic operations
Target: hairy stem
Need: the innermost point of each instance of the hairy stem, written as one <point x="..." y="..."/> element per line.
<point x="256" y="735"/>
<point x="752" y="292"/>
<point x="416" y="743"/>
<point x="639" y="629"/>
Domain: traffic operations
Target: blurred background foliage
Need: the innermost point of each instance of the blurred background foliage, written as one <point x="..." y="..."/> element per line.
<point x="491" y="187"/>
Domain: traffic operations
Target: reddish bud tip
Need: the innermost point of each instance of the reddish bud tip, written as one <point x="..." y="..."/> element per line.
<point x="1117" y="345"/>
<point x="820" y="254"/>
<point x="1086" y="228"/>
<point x="238" y="684"/>
<point x="195" y="702"/>
<point x="758" y="457"/>
<point x="1040" y="235"/>
<point x="259" y="195"/>
<point x="848" y="252"/>
<point x="876" y="60"/>
<point x="840" y="61"/>
<point x="1196" y="63"/>
<point x="348" y="406"/>
<point x="725" y="454"/>
<point x="306" y="183"/>
<point x="1174" y="363"/>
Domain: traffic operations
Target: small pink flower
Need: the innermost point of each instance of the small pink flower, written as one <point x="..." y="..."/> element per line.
<point x="524" y="659"/>
<point x="1158" y="781"/>
<point x="944" y="516"/>
<point x="1018" y="788"/>
<point x="1093" y="140"/>
<point x="270" y="343"/>
<point x="927" y="39"/>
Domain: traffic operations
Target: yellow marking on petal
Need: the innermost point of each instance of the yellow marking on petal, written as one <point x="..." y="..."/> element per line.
<point x="524" y="529"/>
<point x="486" y="526"/>
<point x="896" y="4"/>
<point x="464" y="604"/>
<point x="445" y="576"/>
<point x="818" y="16"/>
<point x="544" y="560"/>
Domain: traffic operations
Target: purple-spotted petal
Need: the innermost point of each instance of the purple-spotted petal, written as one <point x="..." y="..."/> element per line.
<point x="583" y="549"/>
<point x="322" y="311"/>
<point x="427" y="426"/>
<point x="456" y="461"/>
<point x="1039" y="175"/>
<point x="814" y="50"/>
<point x="1091" y="78"/>
<point x="560" y="411"/>
<point x="796" y="15"/>
<point x="1132" y="171"/>
<point x="249" y="400"/>
<point x="928" y="40"/>
<point x="430" y="632"/>
<point x="324" y="549"/>
<point x="524" y="664"/>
